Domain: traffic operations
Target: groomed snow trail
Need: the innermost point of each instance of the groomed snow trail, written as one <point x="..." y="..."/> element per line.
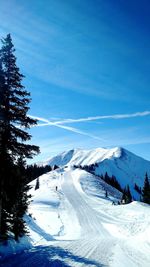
<point x="95" y="243"/>
<point x="92" y="232"/>
<point x="88" y="218"/>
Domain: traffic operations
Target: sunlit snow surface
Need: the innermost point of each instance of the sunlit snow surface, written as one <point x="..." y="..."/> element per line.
<point x="78" y="226"/>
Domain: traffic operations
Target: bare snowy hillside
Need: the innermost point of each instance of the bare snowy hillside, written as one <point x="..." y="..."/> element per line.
<point x="124" y="165"/>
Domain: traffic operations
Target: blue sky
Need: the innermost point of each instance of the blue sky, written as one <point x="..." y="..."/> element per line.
<point x="86" y="62"/>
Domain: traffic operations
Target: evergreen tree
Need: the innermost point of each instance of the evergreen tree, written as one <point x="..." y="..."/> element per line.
<point x="137" y="188"/>
<point x="106" y="177"/>
<point x="129" y="196"/>
<point x="37" y="184"/>
<point x="21" y="201"/>
<point x="4" y="157"/>
<point x="123" y="199"/>
<point x="55" y="167"/>
<point x="146" y="190"/>
<point x="126" y="196"/>
<point x="14" y="123"/>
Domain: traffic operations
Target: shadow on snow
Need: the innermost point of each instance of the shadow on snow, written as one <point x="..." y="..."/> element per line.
<point x="39" y="230"/>
<point x="47" y="256"/>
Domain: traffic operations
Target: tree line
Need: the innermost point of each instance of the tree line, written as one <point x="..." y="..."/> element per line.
<point x="34" y="171"/>
<point x="126" y="193"/>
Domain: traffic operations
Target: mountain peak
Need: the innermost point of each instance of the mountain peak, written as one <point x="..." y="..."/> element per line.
<point x="78" y="156"/>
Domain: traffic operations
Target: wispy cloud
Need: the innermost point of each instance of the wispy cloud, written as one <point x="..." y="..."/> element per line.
<point x="103" y="117"/>
<point x="60" y="123"/>
<point x="68" y="128"/>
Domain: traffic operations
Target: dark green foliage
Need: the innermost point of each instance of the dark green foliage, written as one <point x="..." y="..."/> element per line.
<point x="34" y="171"/>
<point x="129" y="196"/>
<point x="75" y="166"/>
<point x="146" y="190"/>
<point x="14" y="122"/>
<point x="37" y="186"/>
<point x="89" y="168"/>
<point x="137" y="188"/>
<point x="20" y="203"/>
<point x="111" y="181"/>
<point x="126" y="196"/>
<point x="15" y="108"/>
<point x="55" y="167"/>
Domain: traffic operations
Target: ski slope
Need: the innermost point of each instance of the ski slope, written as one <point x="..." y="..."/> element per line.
<point x="78" y="226"/>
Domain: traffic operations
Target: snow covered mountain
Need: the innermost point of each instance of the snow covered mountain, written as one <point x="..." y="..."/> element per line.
<point x="124" y="165"/>
<point x="83" y="157"/>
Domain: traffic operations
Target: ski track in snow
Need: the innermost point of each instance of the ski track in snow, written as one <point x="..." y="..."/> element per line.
<point x="89" y="233"/>
<point x="88" y="218"/>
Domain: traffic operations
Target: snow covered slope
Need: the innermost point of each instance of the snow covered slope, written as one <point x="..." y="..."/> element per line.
<point x="78" y="226"/>
<point x="83" y="157"/>
<point x="124" y="165"/>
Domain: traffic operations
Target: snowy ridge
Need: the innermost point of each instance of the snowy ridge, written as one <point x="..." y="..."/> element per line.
<point x="127" y="167"/>
<point x="84" y="157"/>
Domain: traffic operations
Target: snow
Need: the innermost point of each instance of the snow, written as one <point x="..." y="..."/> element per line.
<point x="77" y="225"/>
<point x="83" y="157"/>
<point x="124" y="165"/>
